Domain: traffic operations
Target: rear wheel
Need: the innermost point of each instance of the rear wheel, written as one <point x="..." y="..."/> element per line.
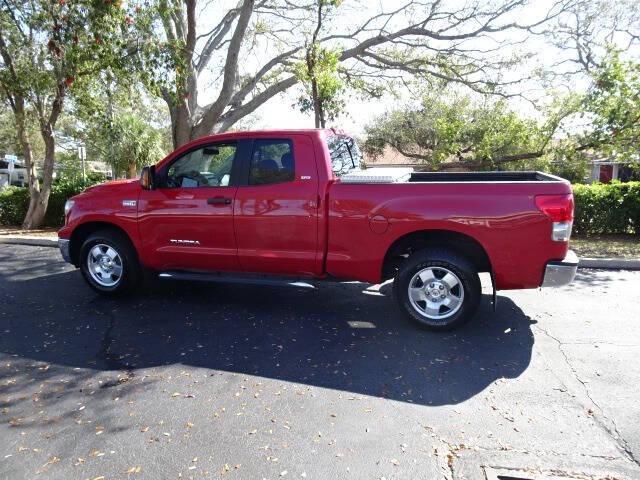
<point x="108" y="263"/>
<point x="438" y="289"/>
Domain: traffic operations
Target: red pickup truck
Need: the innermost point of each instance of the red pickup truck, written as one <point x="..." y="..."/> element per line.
<point x="272" y="205"/>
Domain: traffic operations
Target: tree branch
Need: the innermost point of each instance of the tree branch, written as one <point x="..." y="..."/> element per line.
<point x="216" y="36"/>
<point x="231" y="117"/>
<point x="210" y="118"/>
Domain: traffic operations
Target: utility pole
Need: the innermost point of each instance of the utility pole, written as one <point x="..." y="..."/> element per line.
<point x="82" y="154"/>
<point x="108" y="91"/>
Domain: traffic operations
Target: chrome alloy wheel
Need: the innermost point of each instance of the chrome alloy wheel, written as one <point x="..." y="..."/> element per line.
<point x="436" y="293"/>
<point x="104" y="265"/>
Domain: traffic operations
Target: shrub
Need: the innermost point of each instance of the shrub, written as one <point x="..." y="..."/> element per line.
<point x="14" y="202"/>
<point x="607" y="208"/>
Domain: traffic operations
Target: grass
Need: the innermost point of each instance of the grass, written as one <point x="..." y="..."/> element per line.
<point x="42" y="232"/>
<point x="606" y="246"/>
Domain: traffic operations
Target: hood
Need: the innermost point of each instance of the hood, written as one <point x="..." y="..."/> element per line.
<point x="113" y="187"/>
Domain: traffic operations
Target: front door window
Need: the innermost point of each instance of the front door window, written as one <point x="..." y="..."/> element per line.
<point x="204" y="167"/>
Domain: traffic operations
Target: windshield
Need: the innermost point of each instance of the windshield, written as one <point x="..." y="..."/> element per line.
<point x="345" y="154"/>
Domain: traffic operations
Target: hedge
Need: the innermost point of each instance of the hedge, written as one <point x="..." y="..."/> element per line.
<point x="607" y="208"/>
<point x="600" y="208"/>
<point x="14" y="203"/>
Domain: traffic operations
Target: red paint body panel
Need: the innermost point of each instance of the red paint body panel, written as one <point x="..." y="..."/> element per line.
<point x="317" y="226"/>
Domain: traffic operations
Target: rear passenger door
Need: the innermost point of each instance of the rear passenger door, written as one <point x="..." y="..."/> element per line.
<point x="276" y="212"/>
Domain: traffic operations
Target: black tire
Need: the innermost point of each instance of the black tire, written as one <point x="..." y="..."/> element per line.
<point x="438" y="261"/>
<point x="131" y="273"/>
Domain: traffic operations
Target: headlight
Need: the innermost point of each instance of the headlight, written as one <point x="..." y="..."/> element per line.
<point x="68" y="205"/>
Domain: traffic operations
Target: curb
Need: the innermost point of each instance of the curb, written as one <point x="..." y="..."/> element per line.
<point x="610" y="263"/>
<point x="599" y="263"/>
<point x="31" y="241"/>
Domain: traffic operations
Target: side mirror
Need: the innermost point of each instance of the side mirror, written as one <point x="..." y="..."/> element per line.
<point x="211" y="151"/>
<point x="148" y="178"/>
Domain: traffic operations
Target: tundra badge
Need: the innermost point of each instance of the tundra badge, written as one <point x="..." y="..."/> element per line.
<point x="187" y="242"/>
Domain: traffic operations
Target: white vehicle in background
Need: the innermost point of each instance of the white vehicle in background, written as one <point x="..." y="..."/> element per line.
<point x="16" y="176"/>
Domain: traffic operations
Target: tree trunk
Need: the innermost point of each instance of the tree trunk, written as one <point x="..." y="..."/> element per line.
<point x="25" y="144"/>
<point x="35" y="210"/>
<point x="132" y="171"/>
<point x="315" y="100"/>
<point x="180" y="124"/>
<point x="40" y="199"/>
<point x="320" y="107"/>
<point x="317" y="107"/>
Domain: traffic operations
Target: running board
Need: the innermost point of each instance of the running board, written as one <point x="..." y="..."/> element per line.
<point x="235" y="278"/>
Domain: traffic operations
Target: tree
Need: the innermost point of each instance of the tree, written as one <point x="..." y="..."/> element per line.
<point x="9" y="141"/>
<point x="585" y="34"/>
<point x="138" y="145"/>
<point x="434" y="40"/>
<point x="319" y="73"/>
<point x="45" y="47"/>
<point x="118" y="123"/>
<point x="454" y="132"/>
<point x="613" y="105"/>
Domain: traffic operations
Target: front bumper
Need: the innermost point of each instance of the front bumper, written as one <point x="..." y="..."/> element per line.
<point x="63" y="245"/>
<point x="561" y="272"/>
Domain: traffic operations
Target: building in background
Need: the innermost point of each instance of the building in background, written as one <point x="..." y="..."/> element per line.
<point x="605" y="170"/>
<point x="18" y="175"/>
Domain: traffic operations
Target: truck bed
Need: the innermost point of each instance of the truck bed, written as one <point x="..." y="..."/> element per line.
<point x="428" y="177"/>
<point x="496" y="209"/>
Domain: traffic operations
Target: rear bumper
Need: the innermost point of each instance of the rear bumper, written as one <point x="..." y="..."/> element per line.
<point x="561" y="272"/>
<point x="63" y="245"/>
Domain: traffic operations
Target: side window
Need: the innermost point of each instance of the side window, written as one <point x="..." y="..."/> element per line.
<point x="345" y="154"/>
<point x="272" y="162"/>
<point x="208" y="166"/>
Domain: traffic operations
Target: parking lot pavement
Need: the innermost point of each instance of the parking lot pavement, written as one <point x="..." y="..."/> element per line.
<point x="205" y="381"/>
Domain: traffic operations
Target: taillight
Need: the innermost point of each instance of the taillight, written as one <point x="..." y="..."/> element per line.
<point x="559" y="209"/>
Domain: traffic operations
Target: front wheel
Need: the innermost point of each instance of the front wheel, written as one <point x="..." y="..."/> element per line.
<point x="438" y="289"/>
<point x="108" y="263"/>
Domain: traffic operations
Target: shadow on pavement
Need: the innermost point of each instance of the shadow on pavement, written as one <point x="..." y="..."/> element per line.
<point x="593" y="278"/>
<point x="341" y="336"/>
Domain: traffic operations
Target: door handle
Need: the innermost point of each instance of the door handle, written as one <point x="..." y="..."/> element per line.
<point x="219" y="201"/>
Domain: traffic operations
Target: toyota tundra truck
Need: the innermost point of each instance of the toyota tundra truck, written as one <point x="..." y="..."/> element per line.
<point x="295" y="205"/>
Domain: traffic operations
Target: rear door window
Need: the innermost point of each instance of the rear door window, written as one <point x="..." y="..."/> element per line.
<point x="272" y="161"/>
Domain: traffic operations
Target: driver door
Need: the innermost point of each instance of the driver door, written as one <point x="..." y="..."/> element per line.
<point x="186" y="222"/>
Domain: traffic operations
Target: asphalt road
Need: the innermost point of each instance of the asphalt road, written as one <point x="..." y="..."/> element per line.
<point x="206" y="381"/>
